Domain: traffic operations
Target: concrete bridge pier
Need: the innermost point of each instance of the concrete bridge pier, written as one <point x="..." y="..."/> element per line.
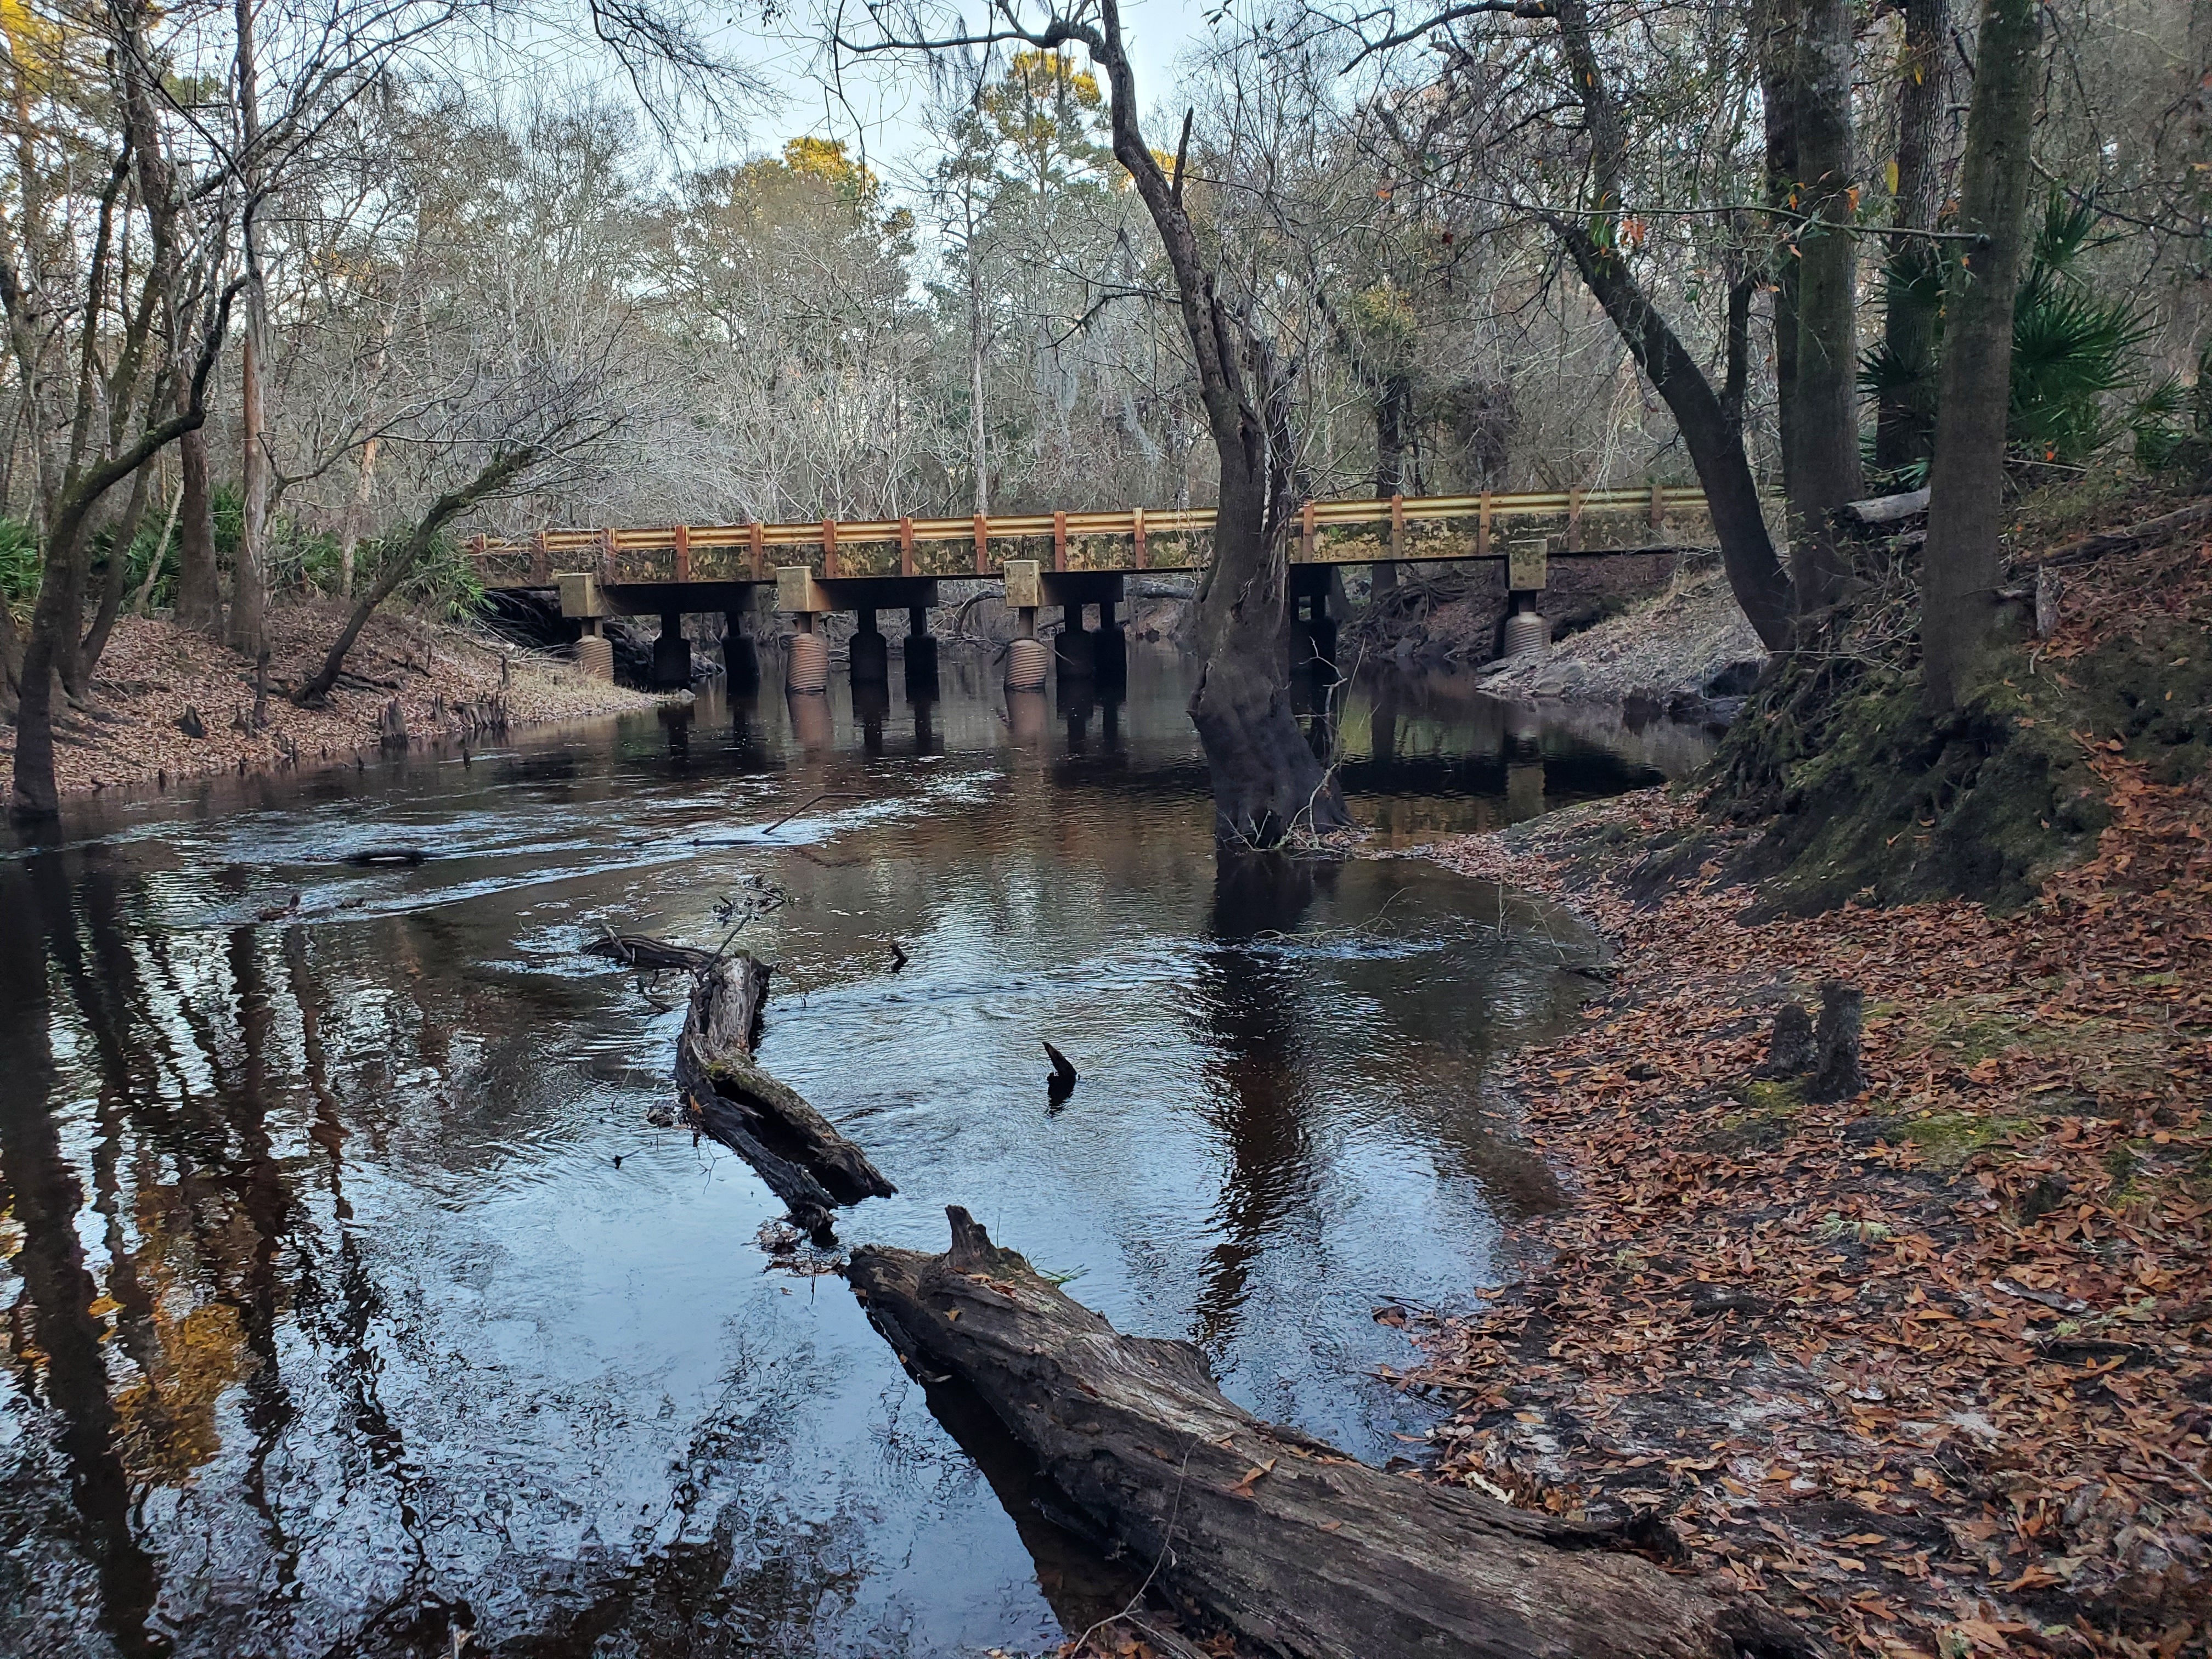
<point x="921" y="651"/>
<point x="806" y="669"/>
<point x="672" y="652"/>
<point x="871" y="652"/>
<point x="806" y="598"/>
<point x="871" y="707"/>
<point x="740" y="660"/>
<point x="595" y="652"/>
<point x="1109" y="646"/>
<point x="1028" y="661"/>
<point x="1072" y="651"/>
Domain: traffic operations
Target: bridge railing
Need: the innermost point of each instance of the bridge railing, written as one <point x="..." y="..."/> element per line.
<point x="1357" y="532"/>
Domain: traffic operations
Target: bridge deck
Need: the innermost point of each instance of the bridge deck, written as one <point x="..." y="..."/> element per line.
<point x="1558" y="523"/>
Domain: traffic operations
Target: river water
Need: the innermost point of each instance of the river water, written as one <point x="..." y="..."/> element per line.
<point x="346" y="1280"/>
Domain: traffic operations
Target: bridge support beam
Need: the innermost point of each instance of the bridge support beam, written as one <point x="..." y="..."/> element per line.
<point x="740" y="661"/>
<point x="595" y="652"/>
<point x="672" y="652"/>
<point x="1109" y="647"/>
<point x="871" y="652"/>
<point x="1072" y="648"/>
<point x="921" y="651"/>
<point x="806" y="670"/>
<point x="1028" y="661"/>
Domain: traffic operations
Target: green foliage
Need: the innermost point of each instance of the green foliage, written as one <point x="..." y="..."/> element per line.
<point x="19" y="562"/>
<point x="445" y="581"/>
<point x="2073" y="349"/>
<point x="2173" y="424"/>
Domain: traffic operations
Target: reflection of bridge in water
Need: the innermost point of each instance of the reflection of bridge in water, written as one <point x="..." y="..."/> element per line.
<point x="1071" y="559"/>
<point x="1421" y="754"/>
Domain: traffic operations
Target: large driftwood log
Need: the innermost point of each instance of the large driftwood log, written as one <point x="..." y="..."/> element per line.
<point x="649" y="955"/>
<point x="797" y="1151"/>
<point x="1286" y="1541"/>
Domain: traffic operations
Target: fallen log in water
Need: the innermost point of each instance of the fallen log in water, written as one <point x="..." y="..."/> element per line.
<point x="796" y="1151"/>
<point x="652" y="954"/>
<point x="1288" y="1542"/>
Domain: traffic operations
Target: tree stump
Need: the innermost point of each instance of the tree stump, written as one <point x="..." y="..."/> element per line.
<point x="1837" y="1074"/>
<point x="1790" y="1050"/>
<point x="796" y="1151"/>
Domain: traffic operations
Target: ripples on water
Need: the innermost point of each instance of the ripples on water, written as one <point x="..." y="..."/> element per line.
<point x="328" y="1303"/>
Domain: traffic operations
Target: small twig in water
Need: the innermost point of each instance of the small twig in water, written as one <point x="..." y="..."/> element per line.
<point x="804" y="805"/>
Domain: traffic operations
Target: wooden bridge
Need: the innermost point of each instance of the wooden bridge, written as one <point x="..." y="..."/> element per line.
<point x="1073" y="560"/>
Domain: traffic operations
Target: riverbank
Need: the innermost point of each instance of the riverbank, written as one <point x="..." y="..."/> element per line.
<point x="1687" y="651"/>
<point x="157" y="680"/>
<point x="1926" y="1365"/>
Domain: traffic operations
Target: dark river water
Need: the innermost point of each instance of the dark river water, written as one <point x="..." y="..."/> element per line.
<point x="346" y="1281"/>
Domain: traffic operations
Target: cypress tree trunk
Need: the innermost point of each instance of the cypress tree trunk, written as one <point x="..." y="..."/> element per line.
<point x="1900" y="431"/>
<point x="249" y="576"/>
<point x="1959" y="568"/>
<point x="1393" y="420"/>
<point x="199" y="584"/>
<point x="1777" y="23"/>
<point x="1267" y="783"/>
<point x="1826" y="471"/>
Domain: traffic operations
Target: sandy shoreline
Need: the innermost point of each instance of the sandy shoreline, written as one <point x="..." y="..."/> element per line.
<point x="446" y="680"/>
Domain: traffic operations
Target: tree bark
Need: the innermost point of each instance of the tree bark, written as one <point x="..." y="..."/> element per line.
<point x="356" y="516"/>
<point x="795" y="1150"/>
<point x="1779" y="23"/>
<point x="1710" y="432"/>
<point x="249" y="574"/>
<point x="1900" y="431"/>
<point x="114" y="581"/>
<point x="146" y="584"/>
<point x="199" y="584"/>
<point x="1267" y="784"/>
<point x="1292" y="1544"/>
<point x="1959" y="563"/>
<point x="1393" y="420"/>
<point x="1826" y="471"/>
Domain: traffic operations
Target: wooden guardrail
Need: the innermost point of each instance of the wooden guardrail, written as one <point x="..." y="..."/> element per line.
<point x="1362" y="531"/>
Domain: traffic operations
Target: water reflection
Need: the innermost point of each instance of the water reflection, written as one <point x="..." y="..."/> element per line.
<point x="328" y="1307"/>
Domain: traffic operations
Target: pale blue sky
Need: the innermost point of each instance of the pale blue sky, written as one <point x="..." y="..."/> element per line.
<point x="884" y="102"/>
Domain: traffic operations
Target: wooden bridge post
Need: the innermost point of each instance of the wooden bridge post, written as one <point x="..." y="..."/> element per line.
<point x="1137" y="527"/>
<point x="1059" y="542"/>
<point x="1397" y="526"/>
<point x="829" y="547"/>
<point x="1658" y="506"/>
<point x="541" y="562"/>
<point x="1309" y="539"/>
<point x="906" y="548"/>
<point x="683" y="534"/>
<point x="983" y="545"/>
<point x="606" y="557"/>
<point x="758" y="550"/>
<point x="1482" y="529"/>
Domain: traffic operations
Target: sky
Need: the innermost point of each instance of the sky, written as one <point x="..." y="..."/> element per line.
<point x="878" y="108"/>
